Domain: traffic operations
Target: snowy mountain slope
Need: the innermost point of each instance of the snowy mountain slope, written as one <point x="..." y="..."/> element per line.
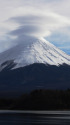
<point x="33" y="50"/>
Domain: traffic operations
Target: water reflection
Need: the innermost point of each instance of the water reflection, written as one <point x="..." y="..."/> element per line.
<point x="34" y="118"/>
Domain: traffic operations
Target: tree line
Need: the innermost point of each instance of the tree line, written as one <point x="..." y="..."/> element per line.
<point x="39" y="100"/>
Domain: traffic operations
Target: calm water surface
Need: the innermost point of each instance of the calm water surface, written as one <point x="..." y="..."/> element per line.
<point x="34" y="117"/>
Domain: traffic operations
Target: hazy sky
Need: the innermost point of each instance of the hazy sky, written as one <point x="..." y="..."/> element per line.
<point x="39" y="18"/>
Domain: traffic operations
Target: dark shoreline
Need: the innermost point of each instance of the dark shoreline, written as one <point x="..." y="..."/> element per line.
<point x="35" y="112"/>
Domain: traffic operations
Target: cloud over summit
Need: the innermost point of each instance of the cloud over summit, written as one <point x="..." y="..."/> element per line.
<point x="39" y="18"/>
<point x="39" y="23"/>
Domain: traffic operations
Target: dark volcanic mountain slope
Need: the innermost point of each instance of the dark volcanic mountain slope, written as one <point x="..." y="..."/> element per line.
<point x="33" y="63"/>
<point x="35" y="76"/>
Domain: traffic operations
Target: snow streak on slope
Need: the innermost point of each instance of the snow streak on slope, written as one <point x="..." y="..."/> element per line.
<point x="34" y="50"/>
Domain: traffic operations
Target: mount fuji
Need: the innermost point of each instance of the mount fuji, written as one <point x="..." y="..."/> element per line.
<point x="33" y="63"/>
<point x="33" y="50"/>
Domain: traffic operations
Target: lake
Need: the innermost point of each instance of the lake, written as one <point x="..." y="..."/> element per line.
<point x="34" y="117"/>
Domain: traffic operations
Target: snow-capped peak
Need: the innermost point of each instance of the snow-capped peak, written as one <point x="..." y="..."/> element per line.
<point x="34" y="50"/>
